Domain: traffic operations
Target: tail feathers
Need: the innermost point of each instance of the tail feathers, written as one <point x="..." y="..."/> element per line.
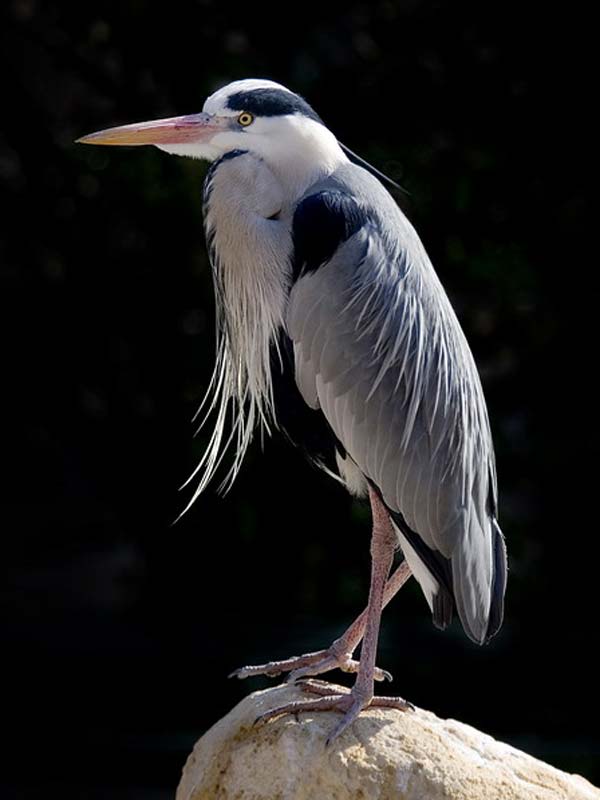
<point x="478" y="587"/>
<point x="470" y="582"/>
<point x="443" y="608"/>
<point x="499" y="584"/>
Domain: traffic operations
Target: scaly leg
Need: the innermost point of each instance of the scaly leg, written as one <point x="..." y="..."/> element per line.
<point x="383" y="543"/>
<point x="339" y="654"/>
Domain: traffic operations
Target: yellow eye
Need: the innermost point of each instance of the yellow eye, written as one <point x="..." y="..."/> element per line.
<point x="245" y="119"/>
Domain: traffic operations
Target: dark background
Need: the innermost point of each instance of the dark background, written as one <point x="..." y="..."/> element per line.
<point x="118" y="628"/>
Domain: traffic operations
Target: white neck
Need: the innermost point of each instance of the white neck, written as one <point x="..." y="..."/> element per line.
<point x="250" y="202"/>
<point x="250" y="259"/>
<point x="304" y="153"/>
<point x="299" y="151"/>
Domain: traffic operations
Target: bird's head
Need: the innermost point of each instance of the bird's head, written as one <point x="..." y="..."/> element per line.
<point x="258" y="116"/>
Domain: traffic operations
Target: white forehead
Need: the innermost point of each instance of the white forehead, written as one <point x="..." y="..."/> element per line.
<point x="217" y="102"/>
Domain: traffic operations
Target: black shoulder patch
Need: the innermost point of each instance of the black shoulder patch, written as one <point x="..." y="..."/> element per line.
<point x="271" y="103"/>
<point x="321" y="223"/>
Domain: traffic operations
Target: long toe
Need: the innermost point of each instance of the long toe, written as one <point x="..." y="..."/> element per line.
<point x="307" y="666"/>
<point x="328" y="702"/>
<point x="391" y="702"/>
<point x="333" y="698"/>
<point x="377" y="701"/>
<point x="356" y="706"/>
<point x="353" y="705"/>
<point x="274" y="668"/>
<point x="332" y="662"/>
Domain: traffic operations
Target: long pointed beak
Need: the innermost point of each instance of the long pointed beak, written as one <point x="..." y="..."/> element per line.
<point x="174" y="130"/>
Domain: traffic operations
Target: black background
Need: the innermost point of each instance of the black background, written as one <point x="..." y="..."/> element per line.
<point x="119" y="628"/>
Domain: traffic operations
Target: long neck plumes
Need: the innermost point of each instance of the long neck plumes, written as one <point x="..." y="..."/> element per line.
<point x="246" y="233"/>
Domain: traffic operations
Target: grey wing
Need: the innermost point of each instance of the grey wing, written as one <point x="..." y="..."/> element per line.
<point x="379" y="350"/>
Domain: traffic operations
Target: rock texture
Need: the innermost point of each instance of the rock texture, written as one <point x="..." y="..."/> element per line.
<point x="384" y="755"/>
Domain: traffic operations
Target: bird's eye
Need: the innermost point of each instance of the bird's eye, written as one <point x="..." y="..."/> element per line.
<point x="245" y="119"/>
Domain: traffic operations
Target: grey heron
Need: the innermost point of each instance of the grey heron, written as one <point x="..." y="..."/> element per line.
<point x="334" y="327"/>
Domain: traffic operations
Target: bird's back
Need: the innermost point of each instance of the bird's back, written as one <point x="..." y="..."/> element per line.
<point x="379" y="350"/>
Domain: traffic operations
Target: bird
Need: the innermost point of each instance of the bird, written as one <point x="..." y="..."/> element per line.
<point x="334" y="328"/>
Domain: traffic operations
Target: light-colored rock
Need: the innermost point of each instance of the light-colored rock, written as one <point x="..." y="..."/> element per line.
<point x="384" y="755"/>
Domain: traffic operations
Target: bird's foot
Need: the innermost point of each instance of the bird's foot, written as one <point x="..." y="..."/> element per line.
<point x="335" y="657"/>
<point x="349" y="703"/>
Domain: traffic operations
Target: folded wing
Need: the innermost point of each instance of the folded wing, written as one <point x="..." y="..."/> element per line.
<point x="379" y="350"/>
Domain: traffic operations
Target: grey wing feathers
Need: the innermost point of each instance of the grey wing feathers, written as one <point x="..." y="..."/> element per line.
<point x="379" y="349"/>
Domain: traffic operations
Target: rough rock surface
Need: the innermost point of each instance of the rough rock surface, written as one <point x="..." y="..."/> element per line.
<point x="384" y="755"/>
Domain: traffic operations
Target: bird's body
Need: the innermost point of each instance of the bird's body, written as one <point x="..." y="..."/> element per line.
<point x="361" y="332"/>
<point x="334" y="327"/>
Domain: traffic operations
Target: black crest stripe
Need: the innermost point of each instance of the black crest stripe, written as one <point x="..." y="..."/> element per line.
<point x="271" y="103"/>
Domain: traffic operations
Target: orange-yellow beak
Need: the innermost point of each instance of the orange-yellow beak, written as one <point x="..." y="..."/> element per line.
<point x="194" y="128"/>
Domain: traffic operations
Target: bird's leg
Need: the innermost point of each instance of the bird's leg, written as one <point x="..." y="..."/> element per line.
<point x="383" y="543"/>
<point x="339" y="654"/>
